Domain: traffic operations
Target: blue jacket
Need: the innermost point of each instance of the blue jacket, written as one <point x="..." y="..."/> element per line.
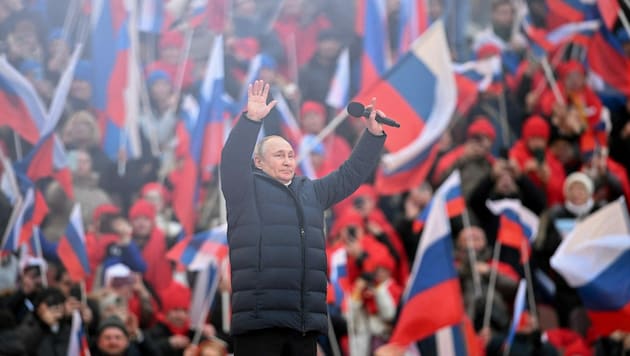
<point x="276" y="237"/>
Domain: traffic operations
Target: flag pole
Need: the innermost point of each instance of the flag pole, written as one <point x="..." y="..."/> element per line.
<point x="623" y="18"/>
<point x="491" y="285"/>
<point x="334" y="346"/>
<point x="472" y="257"/>
<point x="18" y="146"/>
<point x="530" y="283"/>
<point x="39" y="253"/>
<point x="552" y="80"/>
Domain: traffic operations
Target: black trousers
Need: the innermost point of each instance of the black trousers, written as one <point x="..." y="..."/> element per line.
<point x="275" y="342"/>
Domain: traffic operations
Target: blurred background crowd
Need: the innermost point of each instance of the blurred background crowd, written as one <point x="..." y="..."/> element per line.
<point x="551" y="131"/>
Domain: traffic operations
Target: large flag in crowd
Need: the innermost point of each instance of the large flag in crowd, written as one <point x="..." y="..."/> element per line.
<point x="421" y="93"/>
<point x="433" y="279"/>
<point x="595" y="259"/>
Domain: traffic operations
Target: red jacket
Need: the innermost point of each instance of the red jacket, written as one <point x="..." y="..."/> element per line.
<point x="554" y="186"/>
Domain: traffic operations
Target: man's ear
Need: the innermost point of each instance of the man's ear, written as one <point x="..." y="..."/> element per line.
<point x="257" y="161"/>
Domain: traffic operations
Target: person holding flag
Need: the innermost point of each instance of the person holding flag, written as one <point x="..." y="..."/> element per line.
<point x="275" y="232"/>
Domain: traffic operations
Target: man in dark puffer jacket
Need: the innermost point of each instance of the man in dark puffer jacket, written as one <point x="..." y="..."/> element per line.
<point x="275" y="232"/>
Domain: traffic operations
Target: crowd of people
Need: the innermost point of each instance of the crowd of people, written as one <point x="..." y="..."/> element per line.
<point x="560" y="150"/>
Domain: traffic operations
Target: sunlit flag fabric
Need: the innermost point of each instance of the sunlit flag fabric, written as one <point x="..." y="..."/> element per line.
<point x="595" y="259"/>
<point x="78" y="345"/>
<point x="116" y="77"/>
<point x="518" y="309"/>
<point x="71" y="248"/>
<point x="201" y="248"/>
<point x="560" y="12"/>
<point x="609" y="10"/>
<point x="433" y="279"/>
<point x="419" y="92"/>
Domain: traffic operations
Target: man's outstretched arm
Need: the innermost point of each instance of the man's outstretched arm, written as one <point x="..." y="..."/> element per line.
<point x="237" y="153"/>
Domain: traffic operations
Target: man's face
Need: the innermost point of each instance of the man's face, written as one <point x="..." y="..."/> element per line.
<point x="313" y="122"/>
<point x="503" y="15"/>
<point x="277" y="159"/>
<point x="31" y="280"/>
<point x="142" y="226"/>
<point x="112" y="341"/>
<point x="577" y="193"/>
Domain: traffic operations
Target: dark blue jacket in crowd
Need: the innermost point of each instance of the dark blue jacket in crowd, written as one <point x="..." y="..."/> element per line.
<point x="276" y="237"/>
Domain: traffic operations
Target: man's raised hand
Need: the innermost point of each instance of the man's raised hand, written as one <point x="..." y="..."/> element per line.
<point x="257" y="107"/>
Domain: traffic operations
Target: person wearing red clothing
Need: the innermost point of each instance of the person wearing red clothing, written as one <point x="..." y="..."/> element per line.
<point x="170" y="48"/>
<point x="576" y="117"/>
<point x="535" y="159"/>
<point x="473" y="158"/>
<point x="336" y="149"/>
<point x="152" y="242"/>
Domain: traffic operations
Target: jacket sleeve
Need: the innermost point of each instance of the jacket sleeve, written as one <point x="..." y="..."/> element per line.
<point x="236" y="159"/>
<point x="339" y="184"/>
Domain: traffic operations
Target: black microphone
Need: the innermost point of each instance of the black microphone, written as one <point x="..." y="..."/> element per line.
<point x="357" y="110"/>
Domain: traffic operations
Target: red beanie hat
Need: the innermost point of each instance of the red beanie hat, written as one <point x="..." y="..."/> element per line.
<point x="569" y="67"/>
<point x="312" y="106"/>
<point x="366" y="190"/>
<point x="104" y="209"/>
<point x="175" y="296"/>
<point x="481" y="126"/>
<point x="536" y="126"/>
<point x="172" y="39"/>
<point x="349" y="217"/>
<point x="142" y="208"/>
<point x="488" y="50"/>
<point x="160" y="188"/>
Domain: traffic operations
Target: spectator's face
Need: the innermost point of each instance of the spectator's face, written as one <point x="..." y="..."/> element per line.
<point x="161" y="90"/>
<point x="84" y="164"/>
<point x="122" y="227"/>
<point x="473" y="235"/>
<point x="574" y="81"/>
<point x="81" y="90"/>
<point x="436" y="9"/>
<point x="142" y="226"/>
<point x="503" y="15"/>
<point x="328" y="48"/>
<point x="277" y="159"/>
<point x="313" y="122"/>
<point x="112" y="341"/>
<point x="177" y="317"/>
<point x="577" y="193"/>
<point x="535" y="143"/>
<point x="31" y="280"/>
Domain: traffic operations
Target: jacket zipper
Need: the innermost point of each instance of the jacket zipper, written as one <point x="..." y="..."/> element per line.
<point x="302" y="245"/>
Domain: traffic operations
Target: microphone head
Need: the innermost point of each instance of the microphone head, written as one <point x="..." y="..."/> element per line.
<point x="356" y="109"/>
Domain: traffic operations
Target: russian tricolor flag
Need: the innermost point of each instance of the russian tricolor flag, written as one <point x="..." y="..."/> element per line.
<point x="518" y="226"/>
<point x="203" y="293"/>
<point x="413" y="20"/>
<point x="71" y="249"/>
<point x="455" y="203"/>
<point x="20" y="106"/>
<point x="339" y="92"/>
<point x="595" y="259"/>
<point x="78" y="345"/>
<point x="372" y="20"/>
<point x="420" y="92"/>
<point x="433" y="280"/>
<point x="151" y="17"/>
<point x="116" y="76"/>
<point x="339" y="274"/>
<point x="201" y="248"/>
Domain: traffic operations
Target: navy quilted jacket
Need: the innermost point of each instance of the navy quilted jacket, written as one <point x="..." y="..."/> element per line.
<point x="275" y="234"/>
